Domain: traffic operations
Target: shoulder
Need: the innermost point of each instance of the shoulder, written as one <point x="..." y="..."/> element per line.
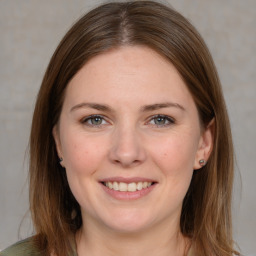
<point x="22" y="248"/>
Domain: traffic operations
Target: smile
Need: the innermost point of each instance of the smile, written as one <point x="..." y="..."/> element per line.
<point x="127" y="187"/>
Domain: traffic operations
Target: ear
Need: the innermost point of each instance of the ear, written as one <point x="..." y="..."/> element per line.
<point x="56" y="136"/>
<point x="205" y="145"/>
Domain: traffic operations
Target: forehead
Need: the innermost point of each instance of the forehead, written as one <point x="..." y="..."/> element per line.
<point x="128" y="73"/>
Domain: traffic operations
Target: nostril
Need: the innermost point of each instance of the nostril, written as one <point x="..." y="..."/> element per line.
<point x="126" y="149"/>
<point x="127" y="163"/>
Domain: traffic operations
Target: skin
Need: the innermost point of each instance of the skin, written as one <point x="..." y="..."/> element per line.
<point x="127" y="141"/>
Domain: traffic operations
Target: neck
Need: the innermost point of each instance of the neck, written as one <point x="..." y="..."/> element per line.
<point x="161" y="241"/>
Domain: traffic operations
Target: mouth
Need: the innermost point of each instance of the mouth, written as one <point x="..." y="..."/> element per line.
<point x="128" y="187"/>
<point x="132" y="188"/>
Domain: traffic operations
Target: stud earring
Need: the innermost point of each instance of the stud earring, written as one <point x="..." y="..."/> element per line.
<point x="202" y="162"/>
<point x="60" y="159"/>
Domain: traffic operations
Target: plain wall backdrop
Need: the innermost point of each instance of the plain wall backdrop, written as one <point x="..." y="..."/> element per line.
<point x="30" y="31"/>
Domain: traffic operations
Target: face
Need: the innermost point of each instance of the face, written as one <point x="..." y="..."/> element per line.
<point x="130" y="137"/>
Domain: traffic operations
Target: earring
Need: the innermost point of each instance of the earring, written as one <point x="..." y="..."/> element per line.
<point x="202" y="162"/>
<point x="60" y="159"/>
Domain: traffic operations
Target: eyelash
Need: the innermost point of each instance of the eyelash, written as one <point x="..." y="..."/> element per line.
<point x="166" y="118"/>
<point x="89" y="118"/>
<point x="169" y="119"/>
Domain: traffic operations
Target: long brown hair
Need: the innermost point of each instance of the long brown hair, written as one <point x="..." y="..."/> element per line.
<point x="206" y="212"/>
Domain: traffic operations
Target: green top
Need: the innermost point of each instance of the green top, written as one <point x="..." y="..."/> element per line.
<point x="25" y="248"/>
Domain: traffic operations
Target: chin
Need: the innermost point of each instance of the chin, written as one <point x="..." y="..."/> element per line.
<point x="128" y="222"/>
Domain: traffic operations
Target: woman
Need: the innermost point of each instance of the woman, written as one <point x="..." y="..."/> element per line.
<point x="130" y="148"/>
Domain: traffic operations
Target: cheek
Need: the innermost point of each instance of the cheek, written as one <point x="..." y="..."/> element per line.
<point x="174" y="158"/>
<point x="175" y="155"/>
<point x="82" y="155"/>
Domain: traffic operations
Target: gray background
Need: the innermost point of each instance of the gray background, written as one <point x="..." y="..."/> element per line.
<point x="30" y="31"/>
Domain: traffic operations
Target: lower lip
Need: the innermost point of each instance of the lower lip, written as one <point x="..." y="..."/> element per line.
<point x="128" y="195"/>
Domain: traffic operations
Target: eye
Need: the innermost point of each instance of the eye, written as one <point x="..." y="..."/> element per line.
<point x="161" y="120"/>
<point x="94" y="120"/>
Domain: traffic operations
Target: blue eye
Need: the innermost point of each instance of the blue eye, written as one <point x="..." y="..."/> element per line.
<point x="94" y="120"/>
<point x="161" y="120"/>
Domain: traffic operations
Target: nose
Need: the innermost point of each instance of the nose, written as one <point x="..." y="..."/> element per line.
<point x="127" y="148"/>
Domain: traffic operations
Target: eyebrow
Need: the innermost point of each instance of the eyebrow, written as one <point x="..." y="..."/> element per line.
<point x="145" y="108"/>
<point x="161" y="105"/>
<point x="96" y="106"/>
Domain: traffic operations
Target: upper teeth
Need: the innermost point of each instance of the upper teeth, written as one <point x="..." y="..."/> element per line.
<point x="130" y="187"/>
